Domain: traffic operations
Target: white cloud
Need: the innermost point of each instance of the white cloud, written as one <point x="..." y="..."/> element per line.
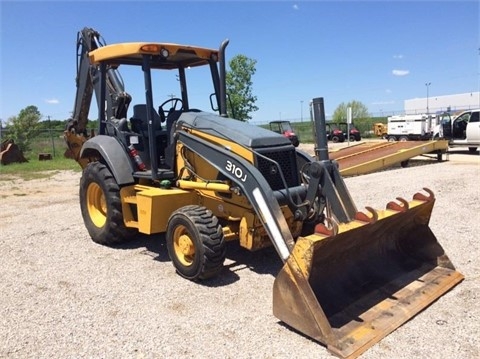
<point x="52" y="101"/>
<point x="295" y="7"/>
<point x="399" y="56"/>
<point x="388" y="91"/>
<point x="397" y="72"/>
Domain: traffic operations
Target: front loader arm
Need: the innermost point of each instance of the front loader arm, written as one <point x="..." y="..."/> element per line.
<point x="252" y="184"/>
<point x="324" y="181"/>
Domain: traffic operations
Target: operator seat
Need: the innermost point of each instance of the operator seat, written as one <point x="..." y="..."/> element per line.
<point x="139" y="124"/>
<point x="139" y="121"/>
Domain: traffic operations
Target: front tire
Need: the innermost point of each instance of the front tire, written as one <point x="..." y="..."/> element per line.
<point x="102" y="207"/>
<point x="195" y="242"/>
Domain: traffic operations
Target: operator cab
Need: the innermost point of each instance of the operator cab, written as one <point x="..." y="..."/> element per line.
<point x="165" y="70"/>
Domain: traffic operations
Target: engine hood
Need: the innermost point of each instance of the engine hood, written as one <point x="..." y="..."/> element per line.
<point x="233" y="130"/>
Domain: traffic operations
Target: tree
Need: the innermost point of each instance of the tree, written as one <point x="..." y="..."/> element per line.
<point x="241" y="101"/>
<point x="359" y="111"/>
<point x="22" y="128"/>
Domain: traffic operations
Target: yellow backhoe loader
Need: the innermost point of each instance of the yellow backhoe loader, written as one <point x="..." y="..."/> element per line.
<point x="349" y="278"/>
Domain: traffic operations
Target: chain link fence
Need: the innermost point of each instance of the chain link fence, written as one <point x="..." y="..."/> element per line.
<point x="45" y="141"/>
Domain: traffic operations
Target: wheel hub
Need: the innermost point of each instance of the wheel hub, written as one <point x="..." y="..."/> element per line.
<point x="97" y="205"/>
<point x="185" y="245"/>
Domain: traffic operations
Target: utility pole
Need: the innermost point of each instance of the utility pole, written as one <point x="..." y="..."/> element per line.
<point x="429" y="123"/>
<point x="301" y="110"/>
<point x="428" y="85"/>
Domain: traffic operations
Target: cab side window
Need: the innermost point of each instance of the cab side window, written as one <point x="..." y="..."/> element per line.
<point x="464" y="117"/>
<point x="475" y="117"/>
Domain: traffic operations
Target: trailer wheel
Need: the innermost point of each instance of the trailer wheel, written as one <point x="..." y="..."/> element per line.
<point x="404" y="163"/>
<point x="403" y="138"/>
<point x="472" y="149"/>
<point x="391" y="138"/>
<point x="101" y="206"/>
<point x="195" y="242"/>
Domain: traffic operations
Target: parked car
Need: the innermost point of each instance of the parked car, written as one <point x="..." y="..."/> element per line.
<point x="285" y="128"/>
<point x="354" y="134"/>
<point x="464" y="130"/>
<point x="334" y="133"/>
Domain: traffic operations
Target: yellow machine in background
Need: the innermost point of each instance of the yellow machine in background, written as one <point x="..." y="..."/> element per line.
<point x="203" y="179"/>
<point x="380" y="129"/>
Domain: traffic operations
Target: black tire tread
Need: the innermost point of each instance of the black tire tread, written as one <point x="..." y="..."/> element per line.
<point x="114" y="231"/>
<point x="211" y="237"/>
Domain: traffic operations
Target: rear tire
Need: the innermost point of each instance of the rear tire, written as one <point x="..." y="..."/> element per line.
<point x="335" y="139"/>
<point x="195" y="242"/>
<point x="403" y="139"/>
<point x="391" y="138"/>
<point x="101" y="206"/>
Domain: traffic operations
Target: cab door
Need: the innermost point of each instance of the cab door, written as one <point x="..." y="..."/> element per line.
<point x="473" y="128"/>
<point x="446" y="127"/>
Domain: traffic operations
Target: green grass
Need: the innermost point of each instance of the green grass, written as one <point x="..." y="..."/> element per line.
<point x="34" y="168"/>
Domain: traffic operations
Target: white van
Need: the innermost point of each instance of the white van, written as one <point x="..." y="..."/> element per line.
<point x="464" y="130"/>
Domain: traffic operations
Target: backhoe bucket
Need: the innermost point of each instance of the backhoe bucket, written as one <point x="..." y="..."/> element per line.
<point x="350" y="286"/>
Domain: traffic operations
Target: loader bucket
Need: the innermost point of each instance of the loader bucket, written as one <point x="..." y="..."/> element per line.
<point x="350" y="286"/>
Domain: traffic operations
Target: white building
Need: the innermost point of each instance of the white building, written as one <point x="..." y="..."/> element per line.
<point x="463" y="101"/>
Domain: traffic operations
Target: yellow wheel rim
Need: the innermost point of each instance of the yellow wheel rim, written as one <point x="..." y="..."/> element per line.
<point x="96" y="204"/>
<point x="183" y="246"/>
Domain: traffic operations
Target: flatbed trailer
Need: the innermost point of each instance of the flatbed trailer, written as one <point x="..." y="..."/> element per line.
<point x="368" y="157"/>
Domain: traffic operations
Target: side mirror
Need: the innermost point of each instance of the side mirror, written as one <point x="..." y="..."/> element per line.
<point x="213" y="102"/>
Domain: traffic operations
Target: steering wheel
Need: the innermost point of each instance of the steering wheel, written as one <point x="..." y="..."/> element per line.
<point x="164" y="113"/>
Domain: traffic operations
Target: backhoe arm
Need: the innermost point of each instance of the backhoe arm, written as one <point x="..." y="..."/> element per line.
<point x="88" y="82"/>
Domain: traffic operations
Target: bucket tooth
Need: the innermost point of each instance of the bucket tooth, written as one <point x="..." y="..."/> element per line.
<point x="403" y="207"/>
<point x="360" y="216"/>
<point x="421" y="197"/>
<point x="330" y="230"/>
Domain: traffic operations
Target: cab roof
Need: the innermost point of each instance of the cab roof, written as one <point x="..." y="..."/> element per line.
<point x="132" y="53"/>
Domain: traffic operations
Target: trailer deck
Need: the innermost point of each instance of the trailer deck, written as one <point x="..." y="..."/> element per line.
<point x="367" y="157"/>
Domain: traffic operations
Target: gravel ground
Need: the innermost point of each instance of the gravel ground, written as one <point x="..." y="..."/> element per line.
<point x="63" y="296"/>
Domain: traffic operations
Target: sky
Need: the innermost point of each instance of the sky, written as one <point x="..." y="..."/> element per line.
<point x="377" y="52"/>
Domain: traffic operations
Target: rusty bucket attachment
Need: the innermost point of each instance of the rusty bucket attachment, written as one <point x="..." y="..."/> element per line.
<point x="351" y="285"/>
